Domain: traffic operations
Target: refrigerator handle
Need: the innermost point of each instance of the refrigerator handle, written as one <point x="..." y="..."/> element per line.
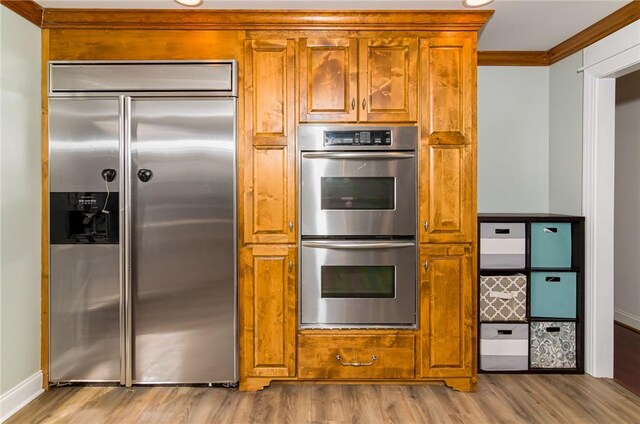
<point x="127" y="340"/>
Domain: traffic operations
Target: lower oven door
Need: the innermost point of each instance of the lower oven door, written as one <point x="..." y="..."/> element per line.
<point x="358" y="284"/>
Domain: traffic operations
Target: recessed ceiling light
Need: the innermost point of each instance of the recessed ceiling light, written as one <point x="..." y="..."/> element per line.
<point x="474" y="3"/>
<point x="190" y="3"/>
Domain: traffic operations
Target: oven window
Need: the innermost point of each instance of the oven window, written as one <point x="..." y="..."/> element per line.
<point x="358" y="282"/>
<point x="358" y="193"/>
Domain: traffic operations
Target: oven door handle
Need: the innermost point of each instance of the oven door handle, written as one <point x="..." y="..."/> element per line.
<point x="330" y="244"/>
<point x="358" y="155"/>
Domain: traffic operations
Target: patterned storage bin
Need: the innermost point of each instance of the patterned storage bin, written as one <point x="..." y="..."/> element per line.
<point x="503" y="297"/>
<point x="553" y="294"/>
<point x="504" y="347"/>
<point x="553" y="344"/>
<point x="502" y="245"/>
<point x="550" y="245"/>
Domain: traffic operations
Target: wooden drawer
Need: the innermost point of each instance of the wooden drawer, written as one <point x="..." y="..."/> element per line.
<point x="394" y="356"/>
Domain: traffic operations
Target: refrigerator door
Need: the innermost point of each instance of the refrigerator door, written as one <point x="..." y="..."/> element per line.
<point x="84" y="283"/>
<point x="182" y="240"/>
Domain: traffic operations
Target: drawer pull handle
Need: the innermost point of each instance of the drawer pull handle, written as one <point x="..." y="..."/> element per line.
<point x="503" y="231"/>
<point x="356" y="364"/>
<point x="505" y="332"/>
<point x="553" y="329"/>
<point x="552" y="279"/>
<point x="550" y="230"/>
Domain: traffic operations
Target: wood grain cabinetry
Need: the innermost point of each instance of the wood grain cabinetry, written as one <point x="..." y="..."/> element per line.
<point x="356" y="356"/>
<point x="447" y="311"/>
<point x="268" y="311"/>
<point x="267" y="160"/>
<point x="358" y="79"/>
<point x="298" y="67"/>
<point x="447" y="179"/>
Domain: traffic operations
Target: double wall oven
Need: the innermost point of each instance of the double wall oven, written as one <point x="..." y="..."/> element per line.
<point x="358" y="226"/>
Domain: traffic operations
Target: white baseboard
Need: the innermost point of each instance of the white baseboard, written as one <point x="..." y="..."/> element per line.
<point x="19" y="396"/>
<point x="626" y="318"/>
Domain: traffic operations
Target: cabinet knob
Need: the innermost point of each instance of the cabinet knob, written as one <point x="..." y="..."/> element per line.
<point x="353" y="103"/>
<point x="426" y="264"/>
<point x="364" y="103"/>
<point x="290" y="266"/>
<point x="426" y="225"/>
<point x="290" y="225"/>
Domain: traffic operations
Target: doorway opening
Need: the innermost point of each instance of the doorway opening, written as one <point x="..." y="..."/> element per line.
<point x="626" y="345"/>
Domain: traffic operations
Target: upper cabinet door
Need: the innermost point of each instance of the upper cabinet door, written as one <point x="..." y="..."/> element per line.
<point x="328" y="80"/>
<point x="267" y="153"/>
<point x="447" y="177"/>
<point x="388" y="79"/>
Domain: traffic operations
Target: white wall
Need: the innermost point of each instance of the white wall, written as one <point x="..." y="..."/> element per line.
<point x="627" y="201"/>
<point x="513" y="139"/>
<point x="20" y="203"/>
<point x="565" y="136"/>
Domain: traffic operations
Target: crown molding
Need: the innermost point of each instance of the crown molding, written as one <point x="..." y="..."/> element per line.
<point x="28" y="9"/>
<point x="513" y="58"/>
<point x="268" y="19"/>
<point x="596" y="32"/>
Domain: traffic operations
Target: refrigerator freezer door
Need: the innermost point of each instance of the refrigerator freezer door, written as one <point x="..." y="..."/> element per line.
<point x="182" y="249"/>
<point x="84" y="284"/>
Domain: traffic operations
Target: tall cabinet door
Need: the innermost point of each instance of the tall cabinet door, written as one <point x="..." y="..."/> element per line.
<point x="268" y="315"/>
<point x="268" y="152"/>
<point x="388" y="79"/>
<point x="182" y="240"/>
<point x="329" y="79"/>
<point x="447" y="178"/>
<point x="447" y="311"/>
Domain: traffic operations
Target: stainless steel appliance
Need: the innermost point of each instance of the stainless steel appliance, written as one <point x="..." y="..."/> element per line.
<point x="357" y="180"/>
<point x="142" y="189"/>
<point x="358" y="218"/>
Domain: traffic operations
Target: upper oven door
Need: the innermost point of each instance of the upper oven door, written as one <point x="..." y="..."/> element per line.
<point x="357" y="193"/>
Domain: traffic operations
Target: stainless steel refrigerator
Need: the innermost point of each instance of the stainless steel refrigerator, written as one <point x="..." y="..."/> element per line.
<point x="142" y="222"/>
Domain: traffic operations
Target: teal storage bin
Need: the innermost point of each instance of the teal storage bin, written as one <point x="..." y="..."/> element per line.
<point x="553" y="294"/>
<point x="550" y="245"/>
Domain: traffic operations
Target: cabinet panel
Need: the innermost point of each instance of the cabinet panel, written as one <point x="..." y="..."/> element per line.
<point x="328" y="79"/>
<point x="270" y="175"/>
<point x="268" y="305"/>
<point x="268" y="154"/>
<point x="448" y="311"/>
<point x="447" y="178"/>
<point x="377" y="356"/>
<point x="388" y="73"/>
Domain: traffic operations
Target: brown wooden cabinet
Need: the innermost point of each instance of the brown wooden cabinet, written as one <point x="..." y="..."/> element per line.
<point x="354" y="356"/>
<point x="358" y="79"/>
<point x="267" y="158"/>
<point x="447" y="178"/>
<point x="447" y="311"/>
<point x="268" y="311"/>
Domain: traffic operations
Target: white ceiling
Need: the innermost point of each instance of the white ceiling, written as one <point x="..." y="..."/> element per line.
<point x="516" y="24"/>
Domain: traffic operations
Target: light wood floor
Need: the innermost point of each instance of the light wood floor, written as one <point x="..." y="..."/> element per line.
<point x="500" y="399"/>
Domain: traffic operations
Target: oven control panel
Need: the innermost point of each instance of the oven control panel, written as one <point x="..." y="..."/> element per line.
<point x="358" y="138"/>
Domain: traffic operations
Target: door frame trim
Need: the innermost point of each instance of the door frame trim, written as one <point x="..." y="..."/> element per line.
<point x="598" y="204"/>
